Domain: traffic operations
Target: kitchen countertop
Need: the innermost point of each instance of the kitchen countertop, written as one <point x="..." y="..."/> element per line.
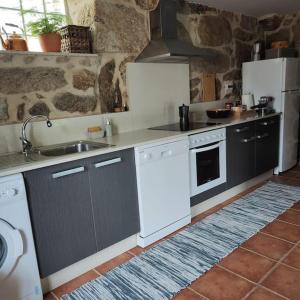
<point x="13" y="163"/>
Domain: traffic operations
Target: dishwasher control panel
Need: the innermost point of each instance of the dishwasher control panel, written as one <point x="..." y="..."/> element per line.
<point x="163" y="151"/>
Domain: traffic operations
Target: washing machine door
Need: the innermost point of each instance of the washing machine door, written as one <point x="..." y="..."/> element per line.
<point x="11" y="248"/>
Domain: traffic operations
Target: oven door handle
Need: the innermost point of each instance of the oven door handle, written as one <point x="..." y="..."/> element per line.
<point x="206" y="148"/>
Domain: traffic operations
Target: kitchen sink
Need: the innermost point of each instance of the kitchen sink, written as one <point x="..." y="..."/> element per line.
<point x="70" y="148"/>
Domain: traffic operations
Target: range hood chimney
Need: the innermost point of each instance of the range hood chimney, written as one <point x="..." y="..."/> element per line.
<point x="164" y="46"/>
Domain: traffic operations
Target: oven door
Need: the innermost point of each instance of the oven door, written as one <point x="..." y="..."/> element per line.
<point x="208" y="167"/>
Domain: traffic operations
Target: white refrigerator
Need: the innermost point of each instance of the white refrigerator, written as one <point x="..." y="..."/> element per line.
<point x="279" y="78"/>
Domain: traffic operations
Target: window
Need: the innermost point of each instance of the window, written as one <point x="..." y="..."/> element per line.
<point x="11" y="12"/>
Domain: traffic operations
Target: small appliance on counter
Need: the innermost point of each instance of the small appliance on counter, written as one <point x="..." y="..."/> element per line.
<point x="248" y="100"/>
<point x="264" y="106"/>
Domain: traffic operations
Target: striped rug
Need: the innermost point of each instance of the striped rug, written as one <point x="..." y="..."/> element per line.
<point x="172" y="265"/>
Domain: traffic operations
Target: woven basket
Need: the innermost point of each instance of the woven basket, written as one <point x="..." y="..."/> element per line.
<point x="75" y="39"/>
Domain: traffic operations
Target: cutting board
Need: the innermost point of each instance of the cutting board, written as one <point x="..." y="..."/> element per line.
<point x="208" y="87"/>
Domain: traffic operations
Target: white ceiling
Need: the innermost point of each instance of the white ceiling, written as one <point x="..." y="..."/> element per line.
<point x="254" y="7"/>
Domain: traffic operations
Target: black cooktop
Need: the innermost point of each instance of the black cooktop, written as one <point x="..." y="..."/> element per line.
<point x="192" y="126"/>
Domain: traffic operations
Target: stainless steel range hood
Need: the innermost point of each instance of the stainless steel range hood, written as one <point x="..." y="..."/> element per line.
<point x="165" y="47"/>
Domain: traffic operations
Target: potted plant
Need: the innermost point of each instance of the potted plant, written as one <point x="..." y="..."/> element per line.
<point x="46" y="29"/>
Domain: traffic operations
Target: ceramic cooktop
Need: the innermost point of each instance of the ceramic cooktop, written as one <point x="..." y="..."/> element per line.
<point x="192" y="126"/>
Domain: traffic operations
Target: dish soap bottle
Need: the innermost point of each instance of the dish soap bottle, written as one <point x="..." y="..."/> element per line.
<point x="108" y="128"/>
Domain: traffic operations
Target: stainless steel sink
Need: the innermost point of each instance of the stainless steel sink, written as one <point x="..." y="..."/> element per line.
<point x="70" y="148"/>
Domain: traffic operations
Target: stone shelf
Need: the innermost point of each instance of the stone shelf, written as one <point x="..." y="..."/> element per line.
<point x="48" y="53"/>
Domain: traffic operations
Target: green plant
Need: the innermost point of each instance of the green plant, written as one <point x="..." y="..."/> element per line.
<point x="48" y="24"/>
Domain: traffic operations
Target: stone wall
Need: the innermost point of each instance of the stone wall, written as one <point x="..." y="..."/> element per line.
<point x="228" y="35"/>
<point x="64" y="86"/>
<point x="278" y="27"/>
<point x="55" y="85"/>
<point x="121" y="38"/>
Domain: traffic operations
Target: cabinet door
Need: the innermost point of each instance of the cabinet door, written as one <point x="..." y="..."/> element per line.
<point x="267" y="144"/>
<point x="240" y="153"/>
<point x="114" y="197"/>
<point x="61" y="214"/>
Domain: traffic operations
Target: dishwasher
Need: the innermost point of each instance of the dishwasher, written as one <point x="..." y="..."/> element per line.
<point x="163" y="189"/>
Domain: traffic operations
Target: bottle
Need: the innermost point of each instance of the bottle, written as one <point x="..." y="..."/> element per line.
<point x="108" y="128"/>
<point x="117" y="105"/>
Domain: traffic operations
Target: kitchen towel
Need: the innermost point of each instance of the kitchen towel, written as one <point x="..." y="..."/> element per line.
<point x="172" y="265"/>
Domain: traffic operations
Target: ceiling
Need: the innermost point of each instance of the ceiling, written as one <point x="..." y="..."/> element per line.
<point x="253" y="7"/>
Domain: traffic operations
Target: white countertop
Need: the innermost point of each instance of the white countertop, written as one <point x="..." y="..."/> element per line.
<point x="13" y="163"/>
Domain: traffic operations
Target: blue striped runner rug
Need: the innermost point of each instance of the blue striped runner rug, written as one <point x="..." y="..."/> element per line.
<point x="172" y="265"/>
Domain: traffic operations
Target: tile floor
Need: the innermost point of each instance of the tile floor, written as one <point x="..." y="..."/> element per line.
<point x="267" y="266"/>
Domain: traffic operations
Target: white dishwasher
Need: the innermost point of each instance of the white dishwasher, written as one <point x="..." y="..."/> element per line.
<point x="163" y="189"/>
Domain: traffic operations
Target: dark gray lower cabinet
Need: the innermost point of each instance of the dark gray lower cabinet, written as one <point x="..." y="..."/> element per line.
<point x="114" y="197"/>
<point x="61" y="215"/>
<point x="240" y="142"/>
<point x="252" y="149"/>
<point x="80" y="207"/>
<point x="267" y="144"/>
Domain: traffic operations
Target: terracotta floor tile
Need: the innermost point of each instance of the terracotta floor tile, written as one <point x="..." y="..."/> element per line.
<point x="286" y="180"/>
<point x="137" y="250"/>
<point x="247" y="264"/>
<point x="285" y="281"/>
<point x="49" y="296"/>
<point x="118" y="260"/>
<point x="187" y="294"/>
<point x="295" y="169"/>
<point x="262" y="294"/>
<point x="293" y="259"/>
<point x="268" y="246"/>
<point x="75" y="283"/>
<point x="296" y="206"/>
<point x="284" y="231"/>
<point x="291" y="216"/>
<point x="292" y="174"/>
<point x="219" y="284"/>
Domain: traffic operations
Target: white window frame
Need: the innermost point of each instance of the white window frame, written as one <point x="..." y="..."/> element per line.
<point x="44" y="12"/>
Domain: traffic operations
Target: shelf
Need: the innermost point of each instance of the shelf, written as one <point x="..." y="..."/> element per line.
<point x="48" y="53"/>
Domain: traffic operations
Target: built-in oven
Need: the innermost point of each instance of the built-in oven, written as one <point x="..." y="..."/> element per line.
<point x="207" y="160"/>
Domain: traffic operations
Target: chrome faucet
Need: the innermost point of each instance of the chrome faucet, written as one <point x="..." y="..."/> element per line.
<point x="26" y="144"/>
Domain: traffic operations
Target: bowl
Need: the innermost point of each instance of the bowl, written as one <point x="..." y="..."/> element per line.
<point x="218" y="113"/>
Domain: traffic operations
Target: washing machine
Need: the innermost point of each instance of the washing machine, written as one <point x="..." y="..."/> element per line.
<point x="19" y="275"/>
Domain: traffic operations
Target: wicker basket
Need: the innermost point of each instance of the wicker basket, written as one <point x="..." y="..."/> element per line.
<point x="75" y="39"/>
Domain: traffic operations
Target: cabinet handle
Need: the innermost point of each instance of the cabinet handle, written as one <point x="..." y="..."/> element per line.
<point x="267" y="123"/>
<point x="68" y="172"/>
<point x="253" y="138"/>
<point x="107" y="162"/>
<point x="238" y="130"/>
<point x="262" y="136"/>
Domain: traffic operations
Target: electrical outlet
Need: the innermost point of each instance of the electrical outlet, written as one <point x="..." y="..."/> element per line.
<point x="228" y="87"/>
